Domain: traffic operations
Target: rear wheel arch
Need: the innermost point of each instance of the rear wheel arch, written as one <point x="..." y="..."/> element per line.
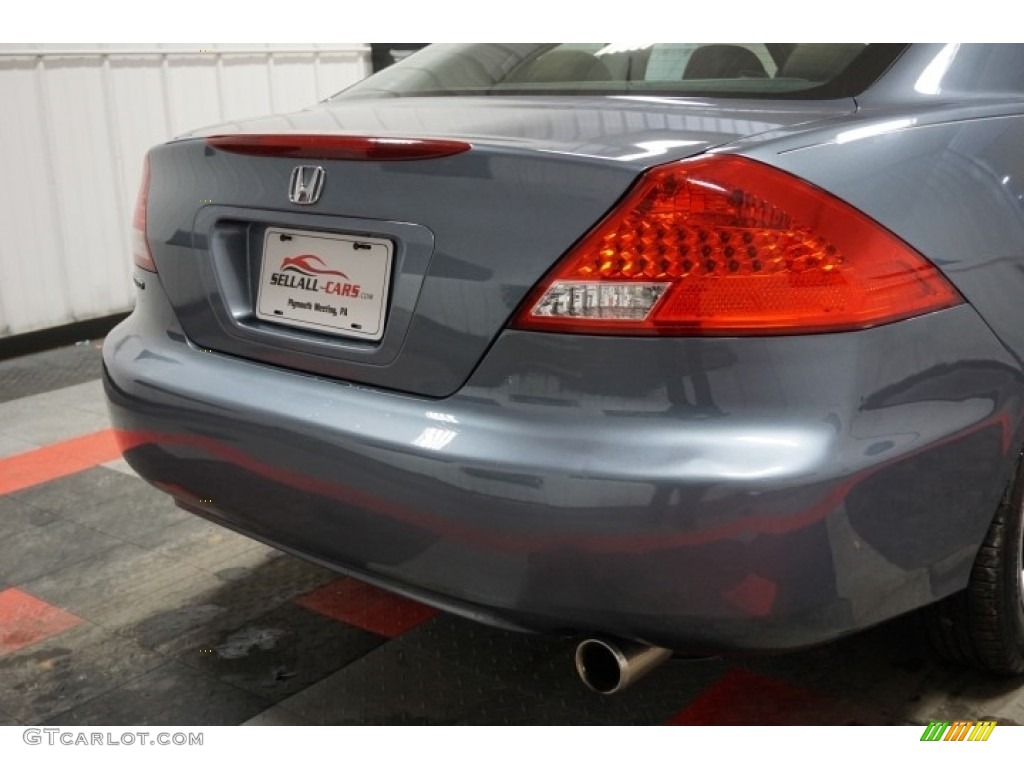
<point x="983" y="624"/>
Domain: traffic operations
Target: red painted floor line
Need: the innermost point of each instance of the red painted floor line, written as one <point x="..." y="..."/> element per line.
<point x="366" y="607"/>
<point x="742" y="697"/>
<point x="24" y="470"/>
<point x="25" y="620"/>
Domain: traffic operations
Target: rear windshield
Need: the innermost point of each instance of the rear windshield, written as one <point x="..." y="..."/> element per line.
<point x="765" y="70"/>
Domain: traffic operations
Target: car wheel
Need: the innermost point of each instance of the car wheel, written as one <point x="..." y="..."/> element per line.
<point x="983" y="625"/>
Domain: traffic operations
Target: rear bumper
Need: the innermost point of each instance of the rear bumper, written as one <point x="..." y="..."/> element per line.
<point x="704" y="495"/>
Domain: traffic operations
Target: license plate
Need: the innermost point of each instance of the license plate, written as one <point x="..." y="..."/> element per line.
<point x="335" y="284"/>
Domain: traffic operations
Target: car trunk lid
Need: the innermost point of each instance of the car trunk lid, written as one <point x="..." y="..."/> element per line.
<point x="456" y="241"/>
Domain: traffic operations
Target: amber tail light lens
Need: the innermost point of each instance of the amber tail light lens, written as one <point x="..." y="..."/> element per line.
<point x="728" y="246"/>
<point x="141" y="253"/>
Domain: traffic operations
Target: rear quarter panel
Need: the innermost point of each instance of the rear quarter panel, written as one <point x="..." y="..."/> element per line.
<point x="954" y="191"/>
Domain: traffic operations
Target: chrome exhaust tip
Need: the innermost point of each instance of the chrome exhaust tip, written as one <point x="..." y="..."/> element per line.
<point x="609" y="666"/>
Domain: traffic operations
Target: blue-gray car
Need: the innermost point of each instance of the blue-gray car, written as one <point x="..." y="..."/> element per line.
<point x="676" y="348"/>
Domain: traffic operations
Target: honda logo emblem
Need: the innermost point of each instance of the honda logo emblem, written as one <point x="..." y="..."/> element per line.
<point x="307" y="182"/>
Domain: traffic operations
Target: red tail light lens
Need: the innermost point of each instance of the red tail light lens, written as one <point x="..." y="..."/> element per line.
<point x="327" y="147"/>
<point x="725" y="245"/>
<point x="140" y="245"/>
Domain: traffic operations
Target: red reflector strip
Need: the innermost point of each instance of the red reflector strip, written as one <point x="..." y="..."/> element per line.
<point x="327" y="147"/>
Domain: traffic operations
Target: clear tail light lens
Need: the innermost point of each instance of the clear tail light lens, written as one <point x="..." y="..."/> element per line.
<point x="724" y="245"/>
<point x="141" y="253"/>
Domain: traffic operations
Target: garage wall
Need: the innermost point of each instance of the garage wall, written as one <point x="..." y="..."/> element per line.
<point x="78" y="120"/>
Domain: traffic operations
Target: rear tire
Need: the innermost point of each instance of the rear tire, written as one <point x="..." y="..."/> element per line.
<point x="983" y="626"/>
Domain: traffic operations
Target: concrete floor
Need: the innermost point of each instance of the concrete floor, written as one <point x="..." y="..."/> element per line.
<point x="117" y="608"/>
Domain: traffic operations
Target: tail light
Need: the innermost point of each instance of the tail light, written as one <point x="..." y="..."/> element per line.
<point x="725" y="245"/>
<point x="140" y="245"/>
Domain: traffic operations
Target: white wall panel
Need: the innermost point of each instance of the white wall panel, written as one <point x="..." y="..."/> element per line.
<point x="192" y="97"/>
<point x="31" y="251"/>
<point x="246" y="85"/>
<point x="77" y="122"/>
